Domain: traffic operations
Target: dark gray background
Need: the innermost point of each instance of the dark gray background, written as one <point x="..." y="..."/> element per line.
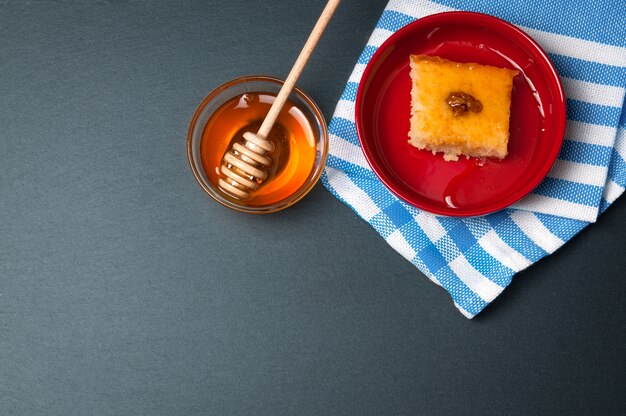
<point x="125" y="290"/>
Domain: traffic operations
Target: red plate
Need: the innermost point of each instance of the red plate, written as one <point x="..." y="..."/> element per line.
<point x="469" y="187"/>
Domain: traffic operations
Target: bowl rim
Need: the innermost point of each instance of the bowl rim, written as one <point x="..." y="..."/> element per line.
<point x="286" y="202"/>
<point x="474" y="18"/>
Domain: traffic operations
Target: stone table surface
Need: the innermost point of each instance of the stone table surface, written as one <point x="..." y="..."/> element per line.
<point x="122" y="288"/>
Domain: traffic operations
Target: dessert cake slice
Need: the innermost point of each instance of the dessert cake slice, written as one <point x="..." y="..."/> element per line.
<point x="460" y="108"/>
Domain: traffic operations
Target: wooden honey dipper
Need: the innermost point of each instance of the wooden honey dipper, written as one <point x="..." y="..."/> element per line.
<point x="243" y="167"/>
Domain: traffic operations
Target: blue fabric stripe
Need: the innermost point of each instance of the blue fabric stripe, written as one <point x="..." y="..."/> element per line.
<point x="393" y="21"/>
<point x="343" y="128"/>
<point x="496" y="219"/>
<point x="604" y="204"/>
<point x="326" y="182"/>
<point x="446" y="246"/>
<point x="593" y="113"/>
<point x="376" y="190"/>
<point x="364" y="179"/>
<point x="433" y="258"/>
<point x="594" y="20"/>
<point x="570" y="191"/>
<point x="327" y="185"/>
<point x="590" y="154"/>
<point x="564" y="228"/>
<point x="589" y="71"/>
<point x="349" y="94"/>
<point x="510" y="233"/>
<point x="415" y="236"/>
<point x="367" y="54"/>
<point x="478" y="226"/>
<point x="617" y="170"/>
<point x="462" y="237"/>
<point x="488" y="266"/>
<point x="349" y="168"/>
<point x="383" y="224"/>
<point x="447" y="222"/>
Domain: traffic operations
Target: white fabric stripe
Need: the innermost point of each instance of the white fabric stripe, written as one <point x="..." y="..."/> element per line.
<point x="351" y="193"/>
<point x="347" y="151"/>
<point x="559" y="44"/>
<point x="593" y="93"/>
<point x="620" y="143"/>
<point x="502" y="252"/>
<point x="558" y="207"/>
<point x="416" y="8"/>
<point x="463" y="311"/>
<point x="579" y="173"/>
<point x="430" y="225"/>
<point x="399" y="243"/>
<point x="590" y="133"/>
<point x="479" y="284"/>
<point x="536" y="231"/>
<point x="345" y="109"/>
<point x="379" y="36"/>
<point x="357" y="73"/>
<point x="612" y="191"/>
<point x="579" y="48"/>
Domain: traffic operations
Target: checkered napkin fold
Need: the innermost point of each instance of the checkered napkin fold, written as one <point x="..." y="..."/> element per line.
<point x="474" y="259"/>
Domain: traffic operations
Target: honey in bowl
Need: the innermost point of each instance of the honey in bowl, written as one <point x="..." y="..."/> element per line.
<point x="293" y="137"/>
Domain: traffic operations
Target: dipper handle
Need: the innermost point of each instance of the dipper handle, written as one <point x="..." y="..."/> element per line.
<point x="298" y="66"/>
<point x="243" y="167"/>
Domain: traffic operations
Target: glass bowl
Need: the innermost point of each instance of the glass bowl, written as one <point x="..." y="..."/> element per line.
<point x="237" y="88"/>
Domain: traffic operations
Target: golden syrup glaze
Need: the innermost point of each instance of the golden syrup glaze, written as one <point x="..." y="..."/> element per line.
<point x="484" y="132"/>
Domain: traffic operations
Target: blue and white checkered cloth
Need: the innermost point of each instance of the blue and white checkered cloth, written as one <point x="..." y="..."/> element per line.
<point x="474" y="259"/>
